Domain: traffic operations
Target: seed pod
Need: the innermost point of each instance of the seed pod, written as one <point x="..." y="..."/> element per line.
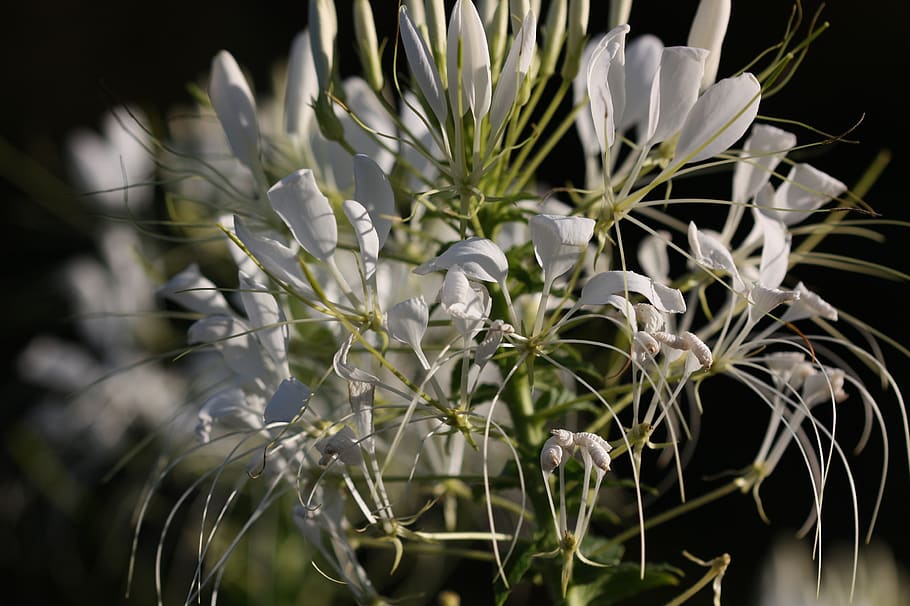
<point x="586" y="438"/>
<point x="670" y="340"/>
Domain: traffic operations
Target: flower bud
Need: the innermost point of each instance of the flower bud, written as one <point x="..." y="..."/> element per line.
<point x="323" y="30"/>
<point x="367" y="46"/>
<point x="619" y="12"/>
<point x="554" y="31"/>
<point x="436" y="28"/>
<point x="708" y="30"/>
<point x="579" y="11"/>
<point x="551" y="456"/>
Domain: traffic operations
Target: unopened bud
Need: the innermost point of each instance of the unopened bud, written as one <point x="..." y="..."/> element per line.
<point x="579" y="11"/>
<point x="367" y="46"/>
<point x="708" y="30"/>
<point x="619" y="12"/>
<point x="323" y="30"/>
<point x="554" y="32"/>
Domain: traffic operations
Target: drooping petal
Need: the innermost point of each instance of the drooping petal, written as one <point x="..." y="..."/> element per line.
<point x="362" y="397"/>
<point x="719" y="118"/>
<point x="558" y="241"/>
<point x="288" y="402"/>
<point x="674" y="91"/>
<point x="805" y="190"/>
<point x="407" y="322"/>
<point x="468" y="304"/>
<point x="349" y="371"/>
<point x="604" y="285"/>
<point x="373" y="190"/>
<point x="479" y="258"/>
<point x="467" y="47"/>
<point x="267" y="320"/>
<point x="193" y="291"/>
<point x="764" y="149"/>
<point x="708" y="30"/>
<point x="422" y="66"/>
<point x="302" y="87"/>
<point x="222" y="404"/>
<point x="236" y="109"/>
<point x="306" y="212"/>
<point x="711" y="253"/>
<point x="514" y="71"/>
<point x="367" y="238"/>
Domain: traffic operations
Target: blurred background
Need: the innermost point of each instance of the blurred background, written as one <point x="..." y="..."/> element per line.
<point x="65" y="534"/>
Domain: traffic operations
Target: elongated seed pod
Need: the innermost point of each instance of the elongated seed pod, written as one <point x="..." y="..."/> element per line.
<point x="670" y="340"/>
<point x="586" y="438"/>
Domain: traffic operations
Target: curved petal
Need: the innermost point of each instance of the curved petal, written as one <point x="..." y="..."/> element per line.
<point x="373" y="190"/>
<point x="710" y="252"/>
<point x="603" y="286"/>
<point x="479" y="258"/>
<point x="642" y="58"/>
<point x="367" y="238"/>
<point x="301" y="88"/>
<point x="805" y="190"/>
<point x="558" y="241"/>
<point x="288" y="402"/>
<point x="192" y="290"/>
<point x="606" y="85"/>
<point x="467" y="39"/>
<point x="235" y="107"/>
<point x="719" y="118"/>
<point x="675" y="90"/>
<point x="279" y="260"/>
<point x="513" y="73"/>
<point x="407" y="322"/>
<point x="267" y="320"/>
<point x="306" y="212"/>
<point x="762" y="152"/>
<point x="422" y="66"/>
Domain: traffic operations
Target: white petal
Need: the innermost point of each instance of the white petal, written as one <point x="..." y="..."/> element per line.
<point x="516" y="67"/>
<point x="263" y="311"/>
<point x="468" y="304"/>
<point x="764" y="149"/>
<point x="675" y="90"/>
<point x="719" y="118"/>
<point x="236" y="110"/>
<point x="190" y="289"/>
<point x="558" y="241"/>
<point x="805" y="190"/>
<point x="603" y="285"/>
<point x="277" y="259"/>
<point x="466" y="34"/>
<point x="422" y="66"/>
<point x="306" y="212"/>
<point x="653" y="257"/>
<point x="809" y="305"/>
<point x="584" y="122"/>
<point x="775" y="252"/>
<point x="289" y="400"/>
<point x="362" y="397"/>
<point x="349" y="371"/>
<point x="479" y="258"/>
<point x="642" y="58"/>
<point x="710" y="252"/>
<point x="606" y="85"/>
<point x="373" y="190"/>
<point x="231" y="338"/>
<point x="407" y="322"/>
<point x="302" y="87"/>
<point x="367" y="239"/>
<point x="765" y="299"/>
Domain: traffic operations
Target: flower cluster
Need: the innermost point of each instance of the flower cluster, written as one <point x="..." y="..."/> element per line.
<point x="414" y="309"/>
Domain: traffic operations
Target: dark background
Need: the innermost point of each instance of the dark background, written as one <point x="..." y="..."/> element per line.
<point x="64" y="63"/>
